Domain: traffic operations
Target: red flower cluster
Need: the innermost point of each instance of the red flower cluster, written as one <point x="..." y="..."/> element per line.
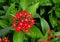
<point x="22" y="21"/>
<point x="5" y="40"/>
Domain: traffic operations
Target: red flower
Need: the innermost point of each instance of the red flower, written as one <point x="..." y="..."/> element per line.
<point x="6" y="39"/>
<point x="18" y="29"/>
<point x="23" y="21"/>
<point x="49" y="37"/>
<point x="0" y="40"/>
<point x="13" y="19"/>
<point x="49" y="31"/>
<point x="14" y="25"/>
<point x="47" y="41"/>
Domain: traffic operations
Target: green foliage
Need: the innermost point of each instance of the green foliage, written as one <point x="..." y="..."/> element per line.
<point x="44" y="25"/>
<point x="32" y="9"/>
<point x="3" y="23"/>
<point x="2" y="0"/>
<point x="45" y="2"/>
<point x="4" y="31"/>
<point x="19" y="37"/>
<point x="46" y="13"/>
<point x="53" y="20"/>
<point x="34" y="32"/>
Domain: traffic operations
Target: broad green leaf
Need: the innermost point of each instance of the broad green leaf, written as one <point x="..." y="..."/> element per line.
<point x="18" y="36"/>
<point x="5" y="31"/>
<point x="35" y="32"/>
<point x="57" y="33"/>
<point x="53" y="20"/>
<point x="32" y="10"/>
<point x="44" y="24"/>
<point x="2" y="0"/>
<point x="3" y="23"/>
<point x="45" y="3"/>
<point x="56" y="1"/>
<point x="24" y="4"/>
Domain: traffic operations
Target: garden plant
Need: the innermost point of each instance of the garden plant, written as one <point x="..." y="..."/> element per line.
<point x="29" y="20"/>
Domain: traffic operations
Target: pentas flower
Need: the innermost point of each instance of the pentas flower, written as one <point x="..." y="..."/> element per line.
<point x="6" y="39"/>
<point x="22" y="21"/>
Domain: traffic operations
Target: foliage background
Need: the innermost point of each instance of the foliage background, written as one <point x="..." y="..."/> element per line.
<point x="46" y="13"/>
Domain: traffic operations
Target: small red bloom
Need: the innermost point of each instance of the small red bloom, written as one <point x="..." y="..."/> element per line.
<point x="47" y="41"/>
<point x="24" y="12"/>
<point x="29" y="16"/>
<point x="17" y="15"/>
<point x="13" y="19"/>
<point x="14" y="25"/>
<point x="39" y="40"/>
<point x="0" y="40"/>
<point x="49" y="31"/>
<point x="49" y="37"/>
<point x="28" y="26"/>
<point x="20" y="24"/>
<point x="26" y="19"/>
<point x="32" y="22"/>
<point x="6" y="39"/>
<point x="26" y="31"/>
<point x="18" y="29"/>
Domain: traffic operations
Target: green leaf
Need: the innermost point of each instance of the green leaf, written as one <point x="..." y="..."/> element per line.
<point x="2" y="1"/>
<point x="10" y="11"/>
<point x="42" y="10"/>
<point x="35" y="32"/>
<point x="57" y="40"/>
<point x="5" y="8"/>
<point x="5" y="31"/>
<point x="57" y="33"/>
<point x="1" y="12"/>
<point x="45" y="3"/>
<point x="3" y="23"/>
<point x="32" y="10"/>
<point x="45" y="36"/>
<point x="24" y="4"/>
<point x="18" y="36"/>
<point x="57" y="11"/>
<point x="52" y="40"/>
<point x="53" y="20"/>
<point x="17" y="1"/>
<point x="45" y="26"/>
<point x="56" y="1"/>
